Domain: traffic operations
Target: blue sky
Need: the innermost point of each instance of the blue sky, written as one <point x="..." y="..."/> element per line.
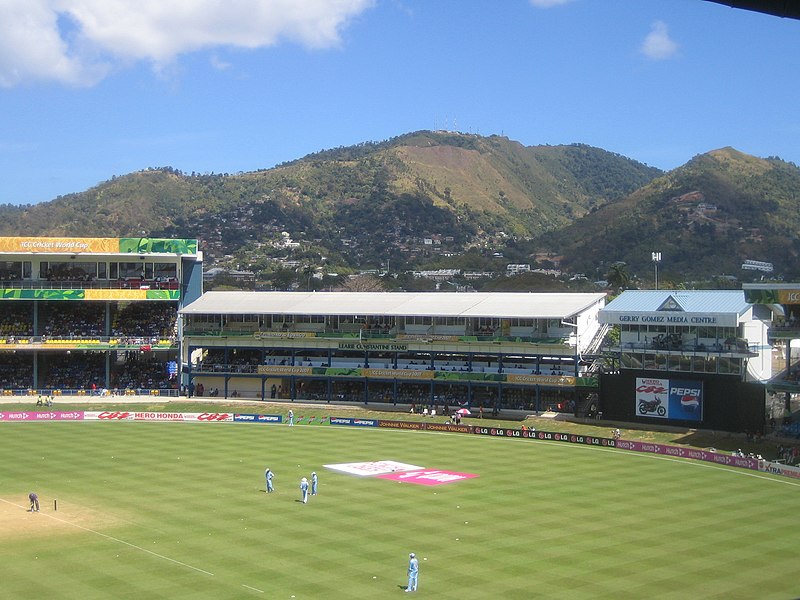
<point x="95" y="88"/>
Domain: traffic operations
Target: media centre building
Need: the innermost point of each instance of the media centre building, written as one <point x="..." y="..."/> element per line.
<point x="699" y="358"/>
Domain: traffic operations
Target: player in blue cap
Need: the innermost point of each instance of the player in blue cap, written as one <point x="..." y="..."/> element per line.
<point x="413" y="572"/>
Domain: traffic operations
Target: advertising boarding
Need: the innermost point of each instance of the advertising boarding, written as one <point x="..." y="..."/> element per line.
<point x="674" y="399"/>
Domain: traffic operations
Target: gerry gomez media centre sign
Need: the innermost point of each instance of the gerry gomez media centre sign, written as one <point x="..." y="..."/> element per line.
<point x="676" y="399"/>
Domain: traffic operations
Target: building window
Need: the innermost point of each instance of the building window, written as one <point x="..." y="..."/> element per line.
<point x="309" y="319"/>
<point x="164" y="271"/>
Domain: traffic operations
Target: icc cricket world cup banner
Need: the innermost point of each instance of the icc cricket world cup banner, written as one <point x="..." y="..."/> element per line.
<point x="775" y="296"/>
<point x="674" y="399"/>
<point x="98" y="245"/>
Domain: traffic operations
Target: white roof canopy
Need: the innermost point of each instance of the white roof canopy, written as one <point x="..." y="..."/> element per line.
<point x="428" y="304"/>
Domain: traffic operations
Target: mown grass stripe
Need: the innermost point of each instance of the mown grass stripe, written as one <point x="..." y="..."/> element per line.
<point x="542" y="519"/>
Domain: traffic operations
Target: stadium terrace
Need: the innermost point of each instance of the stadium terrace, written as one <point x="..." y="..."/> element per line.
<point x="129" y="316"/>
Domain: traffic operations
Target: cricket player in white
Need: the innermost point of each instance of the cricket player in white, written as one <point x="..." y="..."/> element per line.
<point x="313" y="483"/>
<point x="304" y="489"/>
<point x="413" y="572"/>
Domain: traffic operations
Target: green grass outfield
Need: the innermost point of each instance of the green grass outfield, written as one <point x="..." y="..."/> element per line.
<point x="178" y="510"/>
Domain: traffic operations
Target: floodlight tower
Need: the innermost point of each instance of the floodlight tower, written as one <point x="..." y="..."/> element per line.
<point x="656" y="256"/>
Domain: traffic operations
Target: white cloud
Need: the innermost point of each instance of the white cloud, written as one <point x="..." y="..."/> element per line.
<point x="548" y="3"/>
<point x="219" y="64"/>
<point x="78" y="41"/>
<point x="658" y="45"/>
<point x="31" y="47"/>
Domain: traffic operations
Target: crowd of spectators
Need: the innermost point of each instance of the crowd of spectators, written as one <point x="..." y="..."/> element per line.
<point x="132" y="323"/>
<point x="238" y="360"/>
<point x="788" y="454"/>
<point x="515" y="398"/>
<point x="137" y="322"/>
<point x="68" y="272"/>
<point x="145" y="320"/>
<point x="71" y="319"/>
<point x="789" y="321"/>
<point x="16" y="371"/>
<point x="75" y="370"/>
<point x="143" y="371"/>
<point x="16" y="319"/>
<point x="85" y="371"/>
<point x="549" y="400"/>
<point x="215" y="360"/>
<point x="419" y="395"/>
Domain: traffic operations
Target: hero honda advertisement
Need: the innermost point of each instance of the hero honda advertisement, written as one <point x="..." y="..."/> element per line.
<point x="675" y="399"/>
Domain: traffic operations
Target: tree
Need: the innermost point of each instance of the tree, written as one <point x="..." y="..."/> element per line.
<point x="362" y="283"/>
<point x="618" y="277"/>
<point x="308" y="272"/>
<point x="282" y="279"/>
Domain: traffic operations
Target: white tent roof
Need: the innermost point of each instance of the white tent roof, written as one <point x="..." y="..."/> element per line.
<point x="428" y="304"/>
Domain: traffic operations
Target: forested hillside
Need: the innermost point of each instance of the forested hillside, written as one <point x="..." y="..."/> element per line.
<point x="705" y="217"/>
<point x="359" y="205"/>
<point x="448" y="200"/>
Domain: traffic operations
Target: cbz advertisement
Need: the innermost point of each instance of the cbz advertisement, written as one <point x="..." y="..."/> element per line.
<point x="669" y="399"/>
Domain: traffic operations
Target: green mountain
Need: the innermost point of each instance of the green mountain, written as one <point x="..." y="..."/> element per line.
<point x="449" y="200"/>
<point x="706" y="218"/>
<point x="407" y="200"/>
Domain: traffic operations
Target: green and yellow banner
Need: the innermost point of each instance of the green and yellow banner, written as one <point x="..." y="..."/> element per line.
<point x="85" y="245"/>
<point x="556" y="380"/>
<point x="88" y="294"/>
<point x="284" y="370"/>
<point x="397" y="374"/>
<point x="772" y="296"/>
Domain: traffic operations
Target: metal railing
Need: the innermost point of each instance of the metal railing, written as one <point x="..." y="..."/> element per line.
<point x="77" y="284"/>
